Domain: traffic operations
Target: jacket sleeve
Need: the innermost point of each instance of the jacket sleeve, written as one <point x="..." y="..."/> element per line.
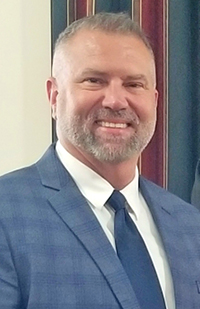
<point x="9" y="289"/>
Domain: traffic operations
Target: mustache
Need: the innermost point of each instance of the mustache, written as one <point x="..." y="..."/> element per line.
<point x="107" y="114"/>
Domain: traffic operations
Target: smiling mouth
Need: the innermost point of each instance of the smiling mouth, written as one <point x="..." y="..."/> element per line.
<point x="107" y="124"/>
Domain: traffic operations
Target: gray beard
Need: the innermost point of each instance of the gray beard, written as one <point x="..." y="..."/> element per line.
<point x="112" y="149"/>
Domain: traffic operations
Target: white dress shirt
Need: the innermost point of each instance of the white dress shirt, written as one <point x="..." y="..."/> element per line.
<point x="97" y="190"/>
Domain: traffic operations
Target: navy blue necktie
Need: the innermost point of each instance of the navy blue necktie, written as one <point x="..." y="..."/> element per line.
<point x="134" y="256"/>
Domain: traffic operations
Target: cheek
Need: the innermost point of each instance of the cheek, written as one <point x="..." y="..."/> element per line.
<point x="146" y="110"/>
<point x="84" y="103"/>
<point x="65" y="105"/>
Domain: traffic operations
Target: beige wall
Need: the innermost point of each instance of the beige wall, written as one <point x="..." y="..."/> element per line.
<point x="25" y="121"/>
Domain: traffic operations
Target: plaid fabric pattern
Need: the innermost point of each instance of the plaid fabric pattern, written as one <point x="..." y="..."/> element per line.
<point x="54" y="254"/>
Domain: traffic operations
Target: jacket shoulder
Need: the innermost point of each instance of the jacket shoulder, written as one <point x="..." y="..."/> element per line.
<point x="163" y="196"/>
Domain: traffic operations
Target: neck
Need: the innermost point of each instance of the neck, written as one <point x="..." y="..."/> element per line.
<point x="119" y="175"/>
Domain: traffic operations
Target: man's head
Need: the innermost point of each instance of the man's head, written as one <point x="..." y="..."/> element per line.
<point x="102" y="91"/>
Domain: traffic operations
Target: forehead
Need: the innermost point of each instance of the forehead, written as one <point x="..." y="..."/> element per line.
<point x="94" y="39"/>
<point x="109" y="49"/>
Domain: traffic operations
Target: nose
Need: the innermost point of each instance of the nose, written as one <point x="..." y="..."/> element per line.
<point x="114" y="97"/>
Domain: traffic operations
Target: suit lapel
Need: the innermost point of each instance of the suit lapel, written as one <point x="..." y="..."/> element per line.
<point x="163" y="208"/>
<point x="72" y="207"/>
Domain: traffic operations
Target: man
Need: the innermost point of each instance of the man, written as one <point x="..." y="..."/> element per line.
<point x="58" y="247"/>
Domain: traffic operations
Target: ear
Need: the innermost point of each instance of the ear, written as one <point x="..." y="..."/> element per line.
<point x="156" y="97"/>
<point x="52" y="92"/>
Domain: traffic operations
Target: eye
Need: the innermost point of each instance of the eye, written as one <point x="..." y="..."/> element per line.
<point x="135" y="85"/>
<point x="93" y="83"/>
<point x="94" y="80"/>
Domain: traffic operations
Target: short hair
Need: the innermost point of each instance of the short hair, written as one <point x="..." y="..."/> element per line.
<point x="108" y="22"/>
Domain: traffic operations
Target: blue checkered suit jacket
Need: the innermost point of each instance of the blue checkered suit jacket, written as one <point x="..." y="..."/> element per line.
<point x="54" y="254"/>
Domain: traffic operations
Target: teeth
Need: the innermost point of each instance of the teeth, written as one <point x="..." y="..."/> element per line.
<point x="113" y="125"/>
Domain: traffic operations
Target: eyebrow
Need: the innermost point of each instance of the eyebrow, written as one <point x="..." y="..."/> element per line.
<point x="134" y="77"/>
<point x="89" y="71"/>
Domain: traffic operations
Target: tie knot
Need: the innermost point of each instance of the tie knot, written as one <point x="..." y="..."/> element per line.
<point x="117" y="200"/>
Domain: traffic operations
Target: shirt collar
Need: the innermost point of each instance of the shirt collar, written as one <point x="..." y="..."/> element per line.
<point x="96" y="189"/>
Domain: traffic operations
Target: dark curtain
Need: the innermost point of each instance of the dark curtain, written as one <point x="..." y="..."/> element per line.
<point x="113" y="6"/>
<point x="184" y="95"/>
